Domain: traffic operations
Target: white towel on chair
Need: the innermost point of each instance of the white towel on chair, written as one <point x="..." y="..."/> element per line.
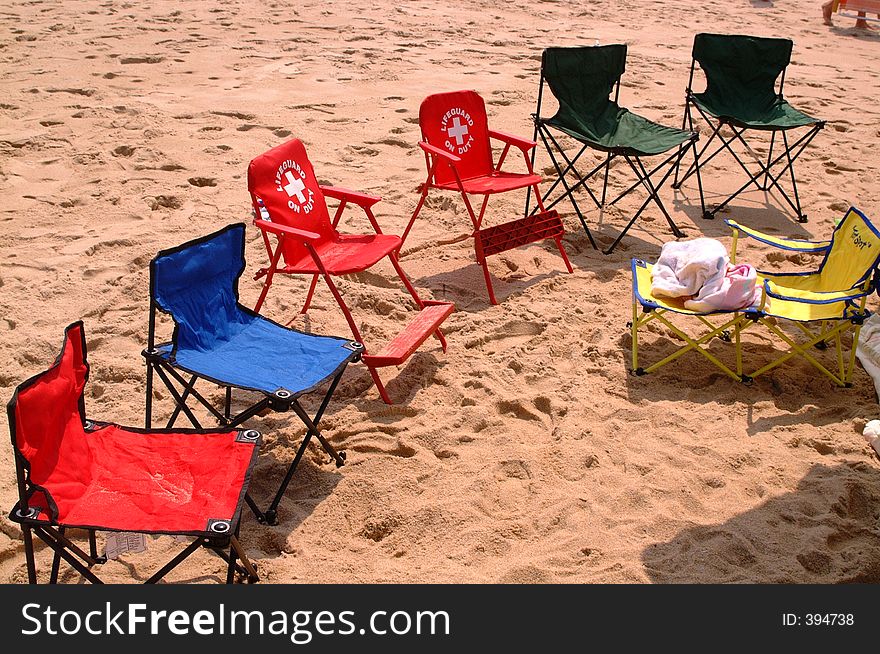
<point x="700" y="271"/>
<point x="686" y="267"/>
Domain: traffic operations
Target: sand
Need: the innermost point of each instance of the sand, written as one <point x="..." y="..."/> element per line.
<point x="524" y="454"/>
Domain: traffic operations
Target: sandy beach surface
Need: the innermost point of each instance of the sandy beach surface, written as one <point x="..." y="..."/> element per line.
<point x="527" y="453"/>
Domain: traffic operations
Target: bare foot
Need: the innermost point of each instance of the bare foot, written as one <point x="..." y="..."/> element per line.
<point x="826" y="13"/>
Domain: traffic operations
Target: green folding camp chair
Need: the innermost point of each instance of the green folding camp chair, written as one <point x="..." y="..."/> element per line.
<point x="741" y="73"/>
<point x="581" y="79"/>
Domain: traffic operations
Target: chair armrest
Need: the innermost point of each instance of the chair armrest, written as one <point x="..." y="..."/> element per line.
<point x="360" y="199"/>
<point x="284" y="230"/>
<point x="791" y="244"/>
<point x="443" y="154"/>
<point x="813" y="297"/>
<point x="521" y="143"/>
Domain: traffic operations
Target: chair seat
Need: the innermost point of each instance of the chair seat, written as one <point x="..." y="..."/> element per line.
<point x="779" y="115"/>
<point x="620" y="131"/>
<point x="803" y="311"/>
<point x="175" y="481"/>
<point x="347" y="253"/>
<point x="497" y="182"/>
<point x="263" y="356"/>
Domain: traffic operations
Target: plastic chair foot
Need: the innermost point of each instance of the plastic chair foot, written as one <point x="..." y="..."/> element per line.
<point x="847" y="385"/>
<point x="341" y="460"/>
<point x="638" y="372"/>
<point x="821" y="345"/>
<point x="745" y="379"/>
<point x="725" y="336"/>
<point x="676" y="185"/>
<point x="708" y="215"/>
<point x="270" y="517"/>
<point x="802" y="218"/>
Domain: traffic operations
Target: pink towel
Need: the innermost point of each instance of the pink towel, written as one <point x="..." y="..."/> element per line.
<point x="736" y="289"/>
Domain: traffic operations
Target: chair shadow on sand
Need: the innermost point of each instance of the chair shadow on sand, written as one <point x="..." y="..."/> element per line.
<point x="825" y="531"/>
<point x="785" y="387"/>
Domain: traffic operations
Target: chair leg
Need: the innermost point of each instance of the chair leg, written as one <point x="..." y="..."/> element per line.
<point x="769" y="159"/>
<point x="270" y="274"/>
<point x="309" y="295"/>
<point x="395" y="261"/>
<point x="801" y="218"/>
<point x="245" y="561"/>
<point x="230" y="568"/>
<point x="379" y="385"/>
<point x="56" y="562"/>
<point x="685" y="119"/>
<point x="29" y="553"/>
<point x="148" y="404"/>
<point x="488" y="278"/>
<point x="59" y="546"/>
<point x="562" y="253"/>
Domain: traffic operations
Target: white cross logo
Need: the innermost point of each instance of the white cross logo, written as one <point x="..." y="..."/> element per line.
<point x="457" y="131"/>
<point x="294" y="186"/>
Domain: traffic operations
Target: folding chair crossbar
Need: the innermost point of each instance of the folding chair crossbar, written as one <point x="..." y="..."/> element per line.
<point x="737" y="324"/>
<point x="844" y="376"/>
<point x="64" y="549"/>
<point x="789" y="155"/>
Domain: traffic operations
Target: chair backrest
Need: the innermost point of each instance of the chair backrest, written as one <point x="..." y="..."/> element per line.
<point x="197" y="284"/>
<point x="744" y="68"/>
<point x="283" y="180"/>
<point x="47" y="416"/>
<point x="457" y="122"/>
<point x="582" y="78"/>
<point x="854" y="254"/>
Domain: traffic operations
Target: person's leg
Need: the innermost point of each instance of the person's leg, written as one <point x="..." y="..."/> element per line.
<point x="826" y="12"/>
<point x="861" y="23"/>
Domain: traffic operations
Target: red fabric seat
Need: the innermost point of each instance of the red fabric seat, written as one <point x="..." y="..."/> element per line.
<point x="104" y="476"/>
<point x="119" y="479"/>
<point x="347" y="253"/>
<point x="496" y="182"/>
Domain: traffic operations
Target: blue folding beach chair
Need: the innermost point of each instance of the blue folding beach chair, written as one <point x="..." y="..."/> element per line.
<point x="218" y="340"/>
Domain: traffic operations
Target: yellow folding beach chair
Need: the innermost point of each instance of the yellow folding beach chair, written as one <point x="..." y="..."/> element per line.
<point x="822" y="305"/>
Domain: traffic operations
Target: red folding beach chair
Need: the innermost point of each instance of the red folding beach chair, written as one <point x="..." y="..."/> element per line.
<point x="865" y="10"/>
<point x="75" y="473"/>
<point x="458" y="156"/>
<point x="289" y="203"/>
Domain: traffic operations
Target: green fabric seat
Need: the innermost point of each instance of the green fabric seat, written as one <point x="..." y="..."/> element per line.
<point x="741" y="73"/>
<point x="583" y="79"/>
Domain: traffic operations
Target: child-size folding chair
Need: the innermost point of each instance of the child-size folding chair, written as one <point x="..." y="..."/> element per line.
<point x="741" y="95"/>
<point x="582" y="79"/>
<point x="218" y="340"/>
<point x="75" y="473"/>
<point x="458" y="157"/>
<point x="290" y="204"/>
<point x="820" y="306"/>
